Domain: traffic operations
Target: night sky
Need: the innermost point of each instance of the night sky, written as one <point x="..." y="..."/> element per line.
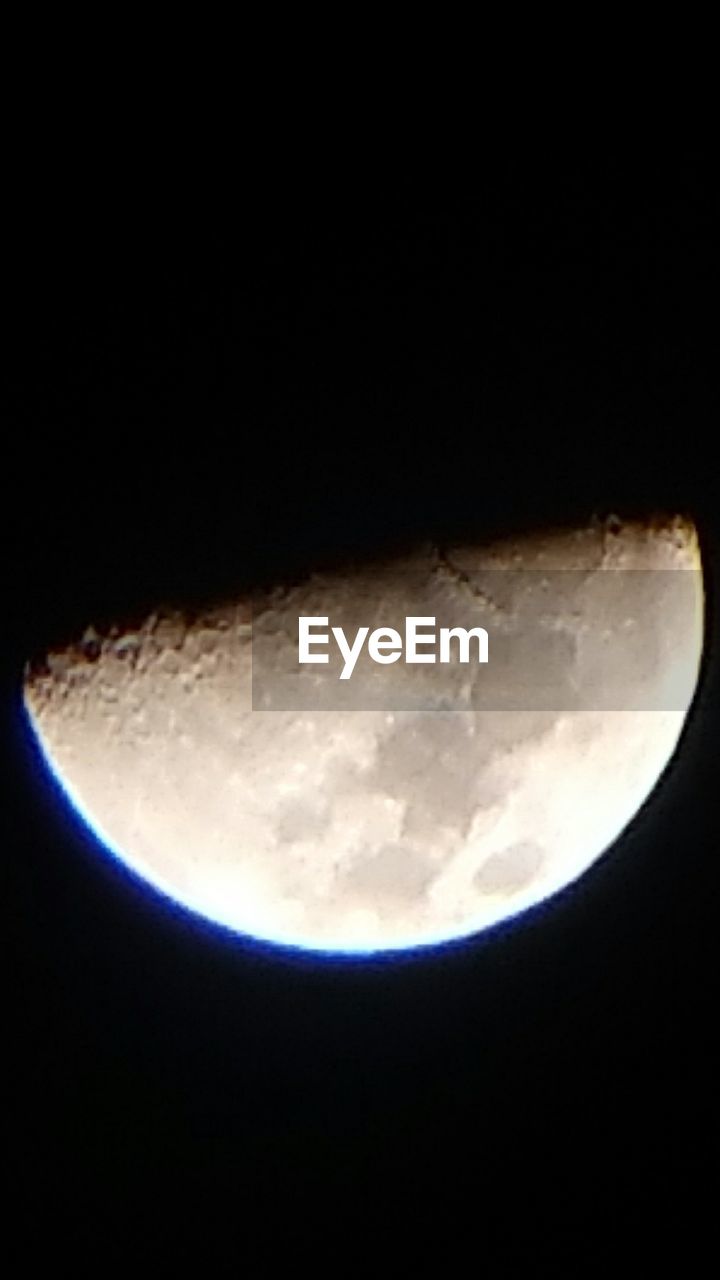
<point x="324" y="377"/>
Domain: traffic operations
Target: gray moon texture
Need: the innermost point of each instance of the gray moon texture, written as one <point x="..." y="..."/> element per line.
<point x="382" y="827"/>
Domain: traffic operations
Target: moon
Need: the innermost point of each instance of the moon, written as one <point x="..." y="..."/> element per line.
<point x="420" y="809"/>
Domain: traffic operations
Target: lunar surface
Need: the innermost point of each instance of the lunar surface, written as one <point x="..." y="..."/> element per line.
<point x="429" y="803"/>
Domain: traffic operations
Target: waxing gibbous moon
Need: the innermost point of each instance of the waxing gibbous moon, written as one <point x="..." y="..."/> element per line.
<point x="365" y="828"/>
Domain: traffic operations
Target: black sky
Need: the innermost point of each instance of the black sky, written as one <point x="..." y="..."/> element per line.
<point x="325" y="377"/>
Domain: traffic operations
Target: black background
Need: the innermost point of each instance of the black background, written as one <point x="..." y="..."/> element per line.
<point x="333" y="372"/>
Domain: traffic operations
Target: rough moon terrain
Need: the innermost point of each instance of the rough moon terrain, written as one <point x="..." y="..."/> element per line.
<point x="371" y="829"/>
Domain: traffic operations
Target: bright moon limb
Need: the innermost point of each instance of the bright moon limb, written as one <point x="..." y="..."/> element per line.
<point x="371" y="829"/>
